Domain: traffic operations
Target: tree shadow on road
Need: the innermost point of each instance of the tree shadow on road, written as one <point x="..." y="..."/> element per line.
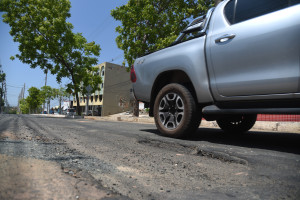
<point x="283" y="142"/>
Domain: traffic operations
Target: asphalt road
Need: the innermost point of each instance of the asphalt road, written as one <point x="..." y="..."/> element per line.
<point x="132" y="161"/>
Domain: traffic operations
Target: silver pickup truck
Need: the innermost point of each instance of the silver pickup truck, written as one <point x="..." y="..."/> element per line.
<point x="239" y="60"/>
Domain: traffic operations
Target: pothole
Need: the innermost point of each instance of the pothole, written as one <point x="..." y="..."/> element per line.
<point x="219" y="155"/>
<point x="193" y="150"/>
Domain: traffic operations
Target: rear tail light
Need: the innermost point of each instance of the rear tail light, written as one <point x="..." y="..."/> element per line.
<point x="132" y="74"/>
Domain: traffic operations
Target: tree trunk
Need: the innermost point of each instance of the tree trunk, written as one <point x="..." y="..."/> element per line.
<point x="136" y="111"/>
<point x="78" y="104"/>
<point x="60" y="105"/>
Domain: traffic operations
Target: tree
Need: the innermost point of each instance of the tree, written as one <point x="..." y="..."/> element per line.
<point x="24" y="106"/>
<point x="61" y="94"/>
<point x="2" y="80"/>
<point x="149" y="25"/>
<point x="46" y="40"/>
<point x="47" y="94"/>
<point x="34" y="100"/>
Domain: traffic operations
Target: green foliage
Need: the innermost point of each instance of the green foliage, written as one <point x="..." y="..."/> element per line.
<point x="46" y="94"/>
<point x="34" y="100"/>
<point x="24" y="106"/>
<point x="2" y="76"/>
<point x="60" y="93"/>
<point x="12" y="110"/>
<point x="2" y="79"/>
<point x="46" y="40"/>
<point x="149" y="25"/>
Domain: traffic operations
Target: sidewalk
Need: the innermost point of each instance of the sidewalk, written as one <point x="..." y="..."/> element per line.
<point x="289" y="127"/>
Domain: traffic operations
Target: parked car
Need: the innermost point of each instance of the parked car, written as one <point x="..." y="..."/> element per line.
<point x="239" y="60"/>
<point x="70" y="111"/>
<point x="91" y="113"/>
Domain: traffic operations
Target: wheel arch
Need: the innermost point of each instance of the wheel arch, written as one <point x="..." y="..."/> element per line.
<point x="167" y="77"/>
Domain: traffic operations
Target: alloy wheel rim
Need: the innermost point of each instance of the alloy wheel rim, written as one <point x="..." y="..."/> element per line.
<point x="171" y="110"/>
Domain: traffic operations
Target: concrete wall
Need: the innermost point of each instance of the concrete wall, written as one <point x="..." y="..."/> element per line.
<point x="116" y="89"/>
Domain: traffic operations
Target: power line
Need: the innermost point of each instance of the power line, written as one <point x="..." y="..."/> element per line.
<point x="117" y="57"/>
<point x="21" y="96"/>
<point x="14" y="86"/>
<point x="94" y="33"/>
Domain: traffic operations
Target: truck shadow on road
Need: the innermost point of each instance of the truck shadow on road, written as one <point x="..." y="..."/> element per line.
<point x="283" y="142"/>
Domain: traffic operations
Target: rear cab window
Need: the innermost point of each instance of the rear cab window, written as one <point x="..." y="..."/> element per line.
<point x="237" y="11"/>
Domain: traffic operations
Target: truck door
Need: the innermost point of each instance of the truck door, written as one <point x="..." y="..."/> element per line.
<point x="254" y="48"/>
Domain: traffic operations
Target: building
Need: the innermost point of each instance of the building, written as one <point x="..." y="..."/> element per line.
<point x="114" y="95"/>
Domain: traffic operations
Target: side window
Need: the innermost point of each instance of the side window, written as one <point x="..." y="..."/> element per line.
<point x="241" y="10"/>
<point x="250" y="9"/>
<point x="229" y="11"/>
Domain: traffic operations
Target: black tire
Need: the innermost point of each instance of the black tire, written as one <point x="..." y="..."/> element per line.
<point x="237" y="123"/>
<point x="176" y="113"/>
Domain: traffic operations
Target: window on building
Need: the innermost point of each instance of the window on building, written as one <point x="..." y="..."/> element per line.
<point x="92" y="98"/>
<point x="96" y="98"/>
<point x="102" y="71"/>
<point x="100" y="98"/>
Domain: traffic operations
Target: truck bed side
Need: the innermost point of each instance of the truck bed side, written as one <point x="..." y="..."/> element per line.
<point x="185" y="59"/>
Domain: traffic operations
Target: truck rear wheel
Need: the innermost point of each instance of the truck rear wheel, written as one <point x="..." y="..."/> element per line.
<point x="175" y="111"/>
<point x="237" y="123"/>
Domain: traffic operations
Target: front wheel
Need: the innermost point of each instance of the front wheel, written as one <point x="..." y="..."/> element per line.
<point x="237" y="123"/>
<point x="175" y="111"/>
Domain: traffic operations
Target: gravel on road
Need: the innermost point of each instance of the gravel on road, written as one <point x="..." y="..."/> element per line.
<point x="132" y="161"/>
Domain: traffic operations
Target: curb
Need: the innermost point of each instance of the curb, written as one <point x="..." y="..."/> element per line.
<point x="59" y="116"/>
<point x="288" y="127"/>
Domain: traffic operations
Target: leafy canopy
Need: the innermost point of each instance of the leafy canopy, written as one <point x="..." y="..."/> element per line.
<point x="2" y="80"/>
<point x="46" y="40"/>
<point x="47" y="93"/>
<point x="24" y="106"/>
<point x="34" y="99"/>
<point x="149" y="25"/>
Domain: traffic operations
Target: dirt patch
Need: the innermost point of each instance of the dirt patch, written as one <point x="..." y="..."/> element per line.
<point x="28" y="178"/>
<point x="7" y="135"/>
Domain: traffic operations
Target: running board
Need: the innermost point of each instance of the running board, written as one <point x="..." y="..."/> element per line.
<point x="214" y="110"/>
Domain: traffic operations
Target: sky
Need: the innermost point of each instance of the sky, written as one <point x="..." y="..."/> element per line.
<point x="90" y="17"/>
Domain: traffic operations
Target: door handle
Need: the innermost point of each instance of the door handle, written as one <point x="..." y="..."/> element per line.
<point x="225" y="38"/>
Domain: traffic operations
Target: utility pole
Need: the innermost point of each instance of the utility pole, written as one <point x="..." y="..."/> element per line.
<point x="21" y="96"/>
<point x="2" y="81"/>
<point x="1" y="95"/>
<point x="6" y="108"/>
<point x="46" y="72"/>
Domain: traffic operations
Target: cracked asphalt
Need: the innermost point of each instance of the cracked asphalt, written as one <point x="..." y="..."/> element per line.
<point x="58" y="158"/>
